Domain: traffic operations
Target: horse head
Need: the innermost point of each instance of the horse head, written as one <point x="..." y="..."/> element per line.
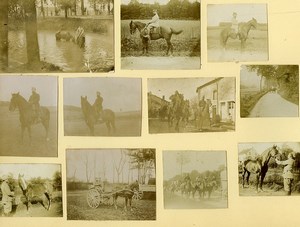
<point x="132" y="27"/>
<point x="14" y="101"/>
<point x="253" y="22"/>
<point x="22" y="182"/>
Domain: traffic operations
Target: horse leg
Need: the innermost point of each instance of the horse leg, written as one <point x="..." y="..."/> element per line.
<point x="262" y="177"/>
<point x="108" y="127"/>
<point x="115" y="201"/>
<point x="113" y="125"/>
<point x="126" y="201"/>
<point x="130" y="203"/>
<point x="22" y="133"/>
<point x="45" y="123"/>
<point x="29" y="134"/>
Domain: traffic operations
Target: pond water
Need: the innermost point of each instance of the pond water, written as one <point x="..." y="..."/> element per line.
<point x="98" y="51"/>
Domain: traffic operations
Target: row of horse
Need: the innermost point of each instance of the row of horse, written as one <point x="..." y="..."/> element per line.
<point x="204" y="188"/>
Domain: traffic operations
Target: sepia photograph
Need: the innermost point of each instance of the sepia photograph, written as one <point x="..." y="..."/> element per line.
<point x="102" y="106"/>
<point x="269" y="91"/>
<point x="160" y="34"/>
<point x="184" y="105"/>
<point x="195" y="179"/>
<point x="269" y="169"/>
<point x="45" y="36"/>
<point x="237" y="32"/>
<point x="28" y="116"/>
<point x="111" y="184"/>
<point x="30" y="190"/>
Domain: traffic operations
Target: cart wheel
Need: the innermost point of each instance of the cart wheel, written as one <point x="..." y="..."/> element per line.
<point x="137" y="194"/>
<point x="93" y="198"/>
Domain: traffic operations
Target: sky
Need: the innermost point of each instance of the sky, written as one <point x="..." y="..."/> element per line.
<point x="46" y="86"/>
<point x="30" y="170"/>
<point x="199" y="160"/>
<point x="261" y="147"/>
<point x="167" y="87"/>
<point x="119" y="94"/>
<point x="245" y="12"/>
<point x="99" y="158"/>
<point x="249" y="79"/>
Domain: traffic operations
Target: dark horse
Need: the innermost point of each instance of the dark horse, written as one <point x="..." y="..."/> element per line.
<point x="28" y="115"/>
<point x="127" y="194"/>
<point x="164" y="33"/>
<point x="91" y="116"/>
<point x="258" y="167"/>
<point x="243" y="33"/>
<point x="35" y="193"/>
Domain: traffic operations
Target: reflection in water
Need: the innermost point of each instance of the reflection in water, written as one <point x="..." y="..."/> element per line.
<point x="67" y="55"/>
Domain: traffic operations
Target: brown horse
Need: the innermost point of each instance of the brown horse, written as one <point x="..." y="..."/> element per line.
<point x="164" y="33"/>
<point x="127" y="194"/>
<point x="259" y="167"/>
<point x="28" y="115"/>
<point x="91" y="116"/>
<point x="244" y="29"/>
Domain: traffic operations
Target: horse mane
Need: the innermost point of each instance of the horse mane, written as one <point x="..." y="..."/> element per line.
<point x="23" y="100"/>
<point x="265" y="156"/>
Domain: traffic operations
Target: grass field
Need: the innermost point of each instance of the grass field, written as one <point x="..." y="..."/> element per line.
<point x="127" y="124"/>
<point x="185" y="44"/>
<point x="78" y="209"/>
<point x="256" y="46"/>
<point x="10" y="136"/>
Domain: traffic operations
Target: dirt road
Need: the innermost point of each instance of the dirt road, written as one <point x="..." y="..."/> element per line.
<point x="273" y="105"/>
<point x="170" y="63"/>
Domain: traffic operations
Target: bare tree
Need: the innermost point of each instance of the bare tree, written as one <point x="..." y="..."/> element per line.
<point x="120" y="165"/>
<point x="87" y="164"/>
<point x="182" y="159"/>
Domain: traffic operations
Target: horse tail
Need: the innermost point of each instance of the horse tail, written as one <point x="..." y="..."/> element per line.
<point x="176" y="32"/>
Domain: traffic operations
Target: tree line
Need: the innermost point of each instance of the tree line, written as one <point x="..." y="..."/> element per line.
<point x="174" y="9"/>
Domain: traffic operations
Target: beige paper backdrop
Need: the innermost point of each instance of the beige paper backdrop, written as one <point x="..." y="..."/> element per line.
<point x="284" y="47"/>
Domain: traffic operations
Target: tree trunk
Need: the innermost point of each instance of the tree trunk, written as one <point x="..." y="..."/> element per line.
<point x="82" y="7"/>
<point x="66" y="12"/>
<point x="3" y="35"/>
<point x="42" y="9"/>
<point x="33" y="52"/>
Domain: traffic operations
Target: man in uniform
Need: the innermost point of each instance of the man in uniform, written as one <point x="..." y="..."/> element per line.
<point x="288" y="176"/>
<point x="7" y="196"/>
<point x="98" y="103"/>
<point x="154" y="23"/>
<point x="34" y="100"/>
<point x="235" y="24"/>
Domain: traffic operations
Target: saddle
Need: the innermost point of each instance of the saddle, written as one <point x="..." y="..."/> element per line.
<point x="154" y="30"/>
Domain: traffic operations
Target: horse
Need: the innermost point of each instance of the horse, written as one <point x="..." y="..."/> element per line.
<point x="174" y="115"/>
<point x="28" y="115"/>
<point x="63" y="35"/>
<point x="199" y="187"/>
<point x="186" y="188"/>
<point x="209" y="188"/>
<point x="91" y="116"/>
<point x="203" y="116"/>
<point x="35" y="193"/>
<point x="127" y="194"/>
<point x="164" y="33"/>
<point x="243" y="32"/>
<point x="259" y="167"/>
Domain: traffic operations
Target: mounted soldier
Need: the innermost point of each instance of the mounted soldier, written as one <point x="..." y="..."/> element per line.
<point x="34" y="100"/>
<point x="235" y="25"/>
<point x="98" y="103"/>
<point x="152" y="25"/>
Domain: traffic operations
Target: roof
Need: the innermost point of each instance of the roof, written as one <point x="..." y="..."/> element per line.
<point x="157" y="98"/>
<point x="209" y="83"/>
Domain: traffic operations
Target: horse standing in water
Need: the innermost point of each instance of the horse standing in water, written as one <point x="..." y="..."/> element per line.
<point x="36" y="193"/>
<point x="243" y="33"/>
<point x="164" y="33"/>
<point x="91" y="116"/>
<point x="259" y="167"/>
<point x="28" y="115"/>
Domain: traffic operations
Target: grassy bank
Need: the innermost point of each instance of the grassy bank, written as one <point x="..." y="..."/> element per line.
<point x="55" y="23"/>
<point x="249" y="101"/>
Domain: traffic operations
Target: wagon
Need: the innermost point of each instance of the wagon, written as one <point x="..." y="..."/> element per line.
<point x="96" y="196"/>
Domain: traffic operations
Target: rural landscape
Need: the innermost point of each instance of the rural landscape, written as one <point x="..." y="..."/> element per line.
<point x="111" y="184"/>
<point x="57" y="36"/>
<point x="272" y="182"/>
<point x="195" y="179"/>
<point x="42" y="196"/>
<point x="191" y="105"/>
<point x="120" y="114"/>
<point x="269" y="91"/>
<point x="185" y="46"/>
<point x="33" y="137"/>
<point x="251" y="46"/>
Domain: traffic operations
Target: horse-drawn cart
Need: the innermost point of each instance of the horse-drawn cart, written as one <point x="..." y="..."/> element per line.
<point x="96" y="195"/>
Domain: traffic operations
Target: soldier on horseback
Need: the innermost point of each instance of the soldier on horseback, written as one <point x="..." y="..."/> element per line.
<point x="176" y="99"/>
<point x="154" y="23"/>
<point x="34" y="100"/>
<point x="98" y="103"/>
<point x="235" y="24"/>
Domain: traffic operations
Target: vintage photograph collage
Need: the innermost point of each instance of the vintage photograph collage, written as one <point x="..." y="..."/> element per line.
<point x="149" y="112"/>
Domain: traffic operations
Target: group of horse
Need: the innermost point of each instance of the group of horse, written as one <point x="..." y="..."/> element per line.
<point x="166" y="33"/>
<point x="179" y="114"/>
<point x="203" y="187"/>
